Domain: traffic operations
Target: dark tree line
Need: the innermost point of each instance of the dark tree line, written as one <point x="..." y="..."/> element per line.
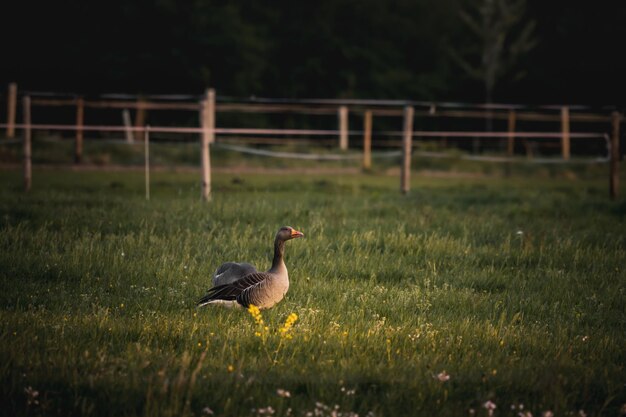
<point x="419" y="49"/>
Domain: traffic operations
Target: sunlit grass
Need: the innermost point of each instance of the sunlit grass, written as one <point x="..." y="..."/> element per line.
<point x="464" y="294"/>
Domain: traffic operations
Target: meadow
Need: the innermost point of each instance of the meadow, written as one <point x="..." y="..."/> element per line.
<point x="468" y="297"/>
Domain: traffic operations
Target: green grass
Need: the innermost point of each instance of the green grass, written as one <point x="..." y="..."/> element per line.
<point x="515" y="288"/>
<point x="58" y="151"/>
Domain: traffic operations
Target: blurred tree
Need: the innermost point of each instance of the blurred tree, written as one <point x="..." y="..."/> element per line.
<point x="361" y="48"/>
<point x="327" y="48"/>
<point x="500" y="37"/>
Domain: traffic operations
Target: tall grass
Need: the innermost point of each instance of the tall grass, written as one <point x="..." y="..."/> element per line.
<point x="512" y="289"/>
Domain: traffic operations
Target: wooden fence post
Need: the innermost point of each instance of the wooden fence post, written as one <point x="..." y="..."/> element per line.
<point x="127" y="126"/>
<point x="510" y="141"/>
<point x="510" y="146"/>
<point x="27" y="145"/>
<point x="140" y="118"/>
<point x="343" y="128"/>
<point x="407" y="145"/>
<point x="208" y="115"/>
<point x="614" y="162"/>
<point x="146" y="139"/>
<point x="367" y="140"/>
<point x="80" y="116"/>
<point x="565" y="139"/>
<point x="11" y="110"/>
<point x="208" y="136"/>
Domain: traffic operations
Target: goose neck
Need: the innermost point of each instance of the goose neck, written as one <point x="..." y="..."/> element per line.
<point x="279" y="252"/>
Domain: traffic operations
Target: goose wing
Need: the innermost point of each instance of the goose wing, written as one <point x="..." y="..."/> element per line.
<point x="230" y="272"/>
<point x="230" y="291"/>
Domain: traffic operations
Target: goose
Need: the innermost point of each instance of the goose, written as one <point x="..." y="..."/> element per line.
<point x="263" y="289"/>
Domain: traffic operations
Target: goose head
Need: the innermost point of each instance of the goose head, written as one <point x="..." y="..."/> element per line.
<point x="287" y="233"/>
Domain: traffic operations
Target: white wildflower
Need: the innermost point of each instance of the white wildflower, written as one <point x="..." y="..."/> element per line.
<point x="268" y="410"/>
<point x="489" y="406"/>
<point x="31" y="396"/>
<point x="283" y="393"/>
<point x="443" y="376"/>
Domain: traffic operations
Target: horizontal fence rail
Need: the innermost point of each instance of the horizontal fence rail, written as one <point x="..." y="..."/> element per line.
<point x="304" y="132"/>
<point x="434" y="111"/>
<point x="207" y="105"/>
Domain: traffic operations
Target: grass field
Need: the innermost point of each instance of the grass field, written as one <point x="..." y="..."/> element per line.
<point x="464" y="295"/>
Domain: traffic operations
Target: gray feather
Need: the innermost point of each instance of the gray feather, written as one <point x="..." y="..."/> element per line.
<point x="230" y="272"/>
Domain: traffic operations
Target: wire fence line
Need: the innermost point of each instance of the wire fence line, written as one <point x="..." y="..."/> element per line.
<point x="376" y="155"/>
<point x="397" y="154"/>
<point x="309" y="156"/>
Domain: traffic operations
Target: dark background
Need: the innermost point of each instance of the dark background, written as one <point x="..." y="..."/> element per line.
<point x="328" y="49"/>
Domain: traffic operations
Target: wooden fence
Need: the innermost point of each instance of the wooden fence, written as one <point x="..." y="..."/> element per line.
<point x="208" y="106"/>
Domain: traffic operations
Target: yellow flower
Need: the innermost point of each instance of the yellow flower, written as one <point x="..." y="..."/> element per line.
<point x="291" y="319"/>
<point x="258" y="318"/>
<point x="230" y="368"/>
<point x="256" y="314"/>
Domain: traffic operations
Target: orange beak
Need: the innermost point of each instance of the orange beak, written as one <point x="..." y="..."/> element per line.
<point x="295" y="234"/>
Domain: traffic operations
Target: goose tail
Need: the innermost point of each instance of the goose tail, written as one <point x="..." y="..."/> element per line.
<point x="211" y="299"/>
